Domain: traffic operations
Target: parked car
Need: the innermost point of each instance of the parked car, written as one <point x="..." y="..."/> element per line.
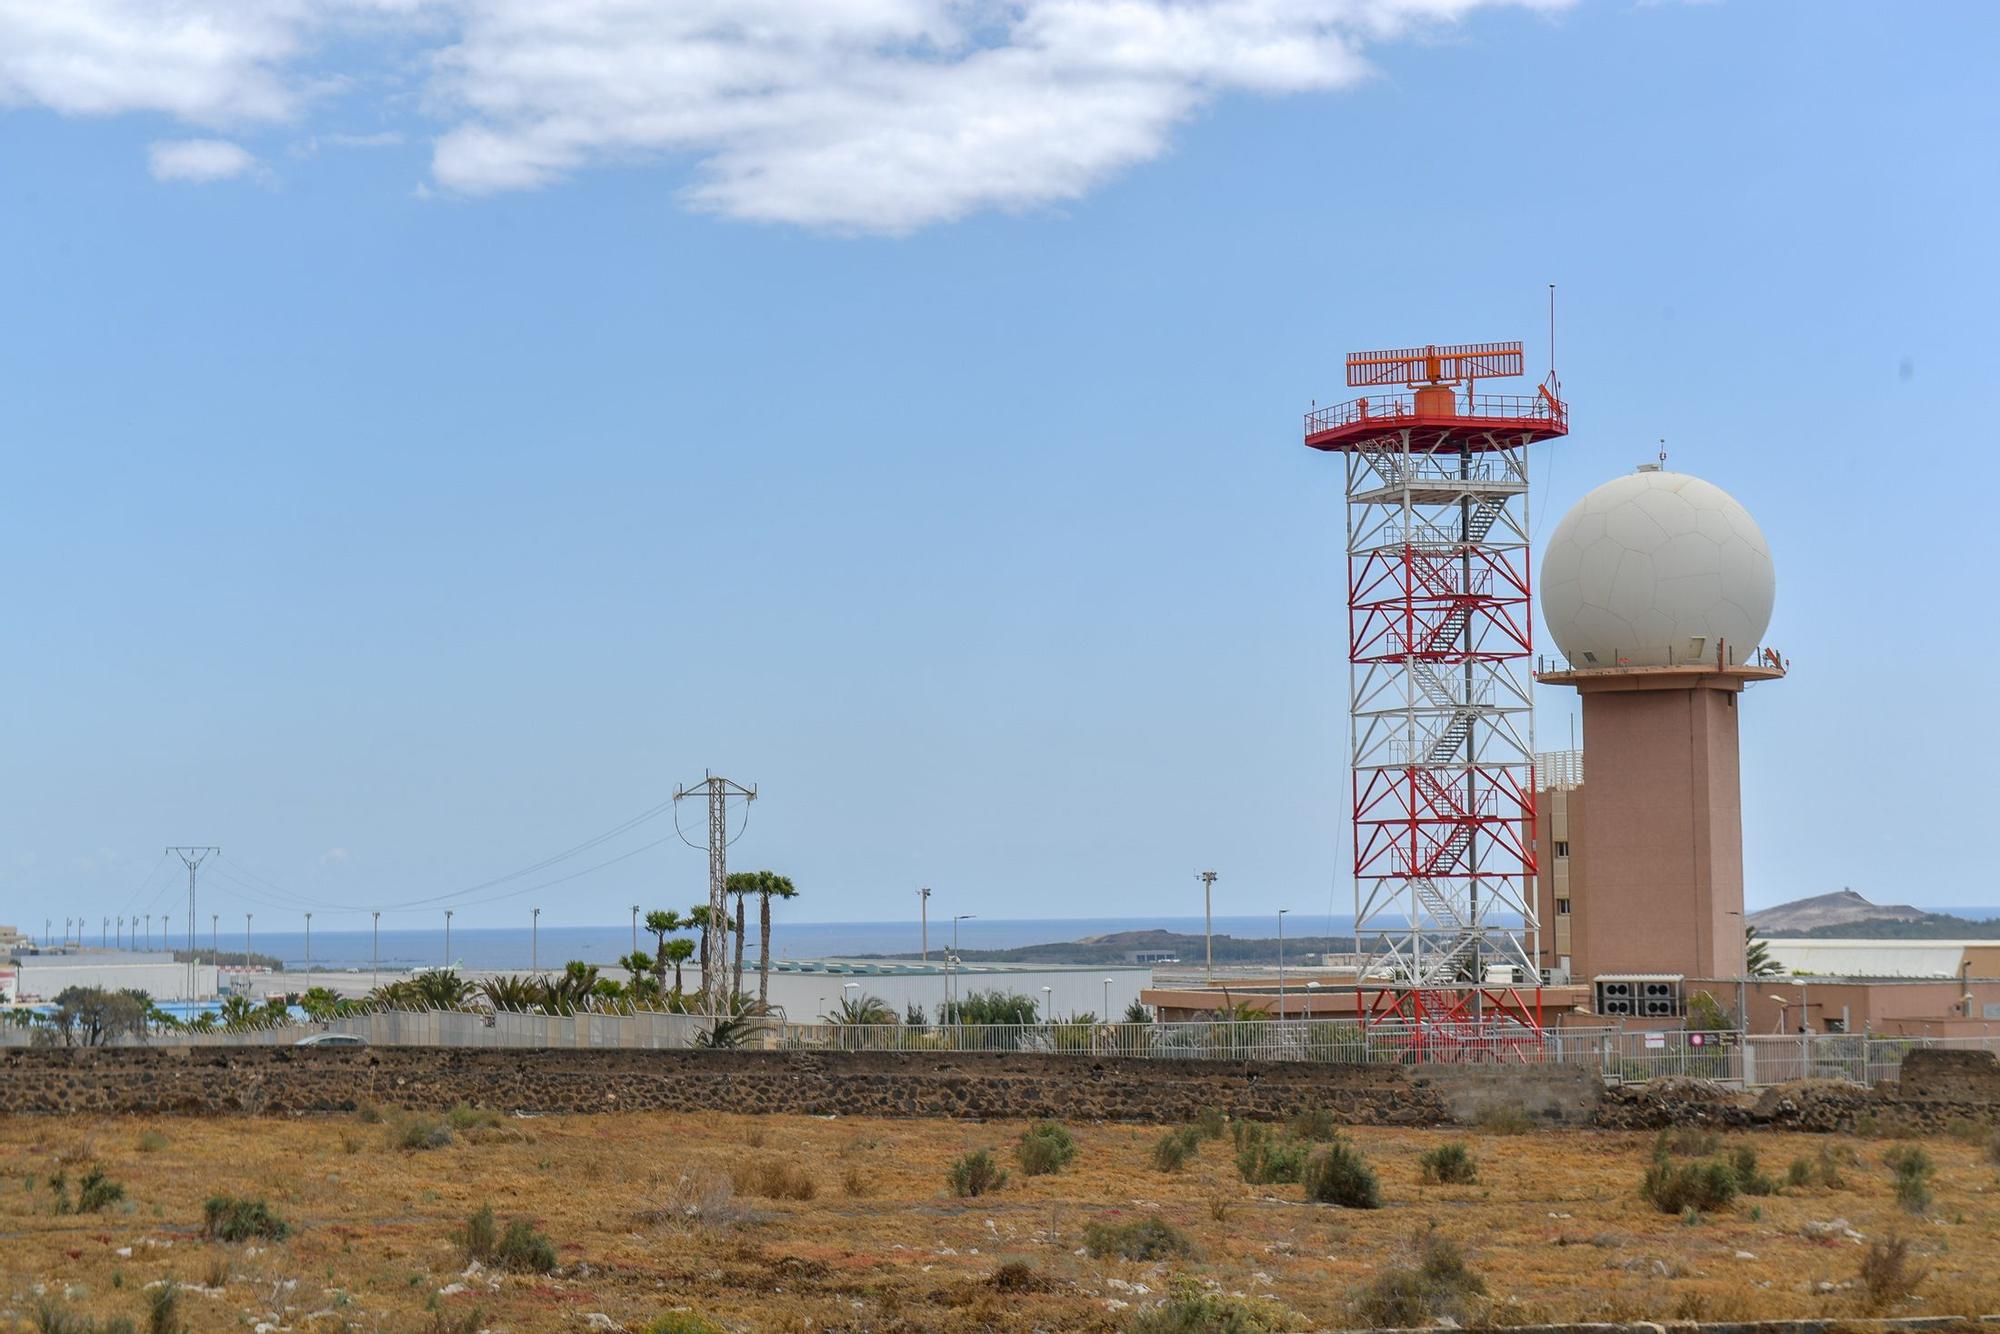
<point x="332" y="1040"/>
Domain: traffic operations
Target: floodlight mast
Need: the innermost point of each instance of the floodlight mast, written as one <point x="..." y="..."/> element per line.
<point x="1440" y="692"/>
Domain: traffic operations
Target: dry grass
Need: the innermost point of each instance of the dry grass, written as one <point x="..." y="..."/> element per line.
<point x="644" y="1217"/>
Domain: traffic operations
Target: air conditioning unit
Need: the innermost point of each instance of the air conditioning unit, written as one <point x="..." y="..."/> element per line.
<point x="1652" y="996"/>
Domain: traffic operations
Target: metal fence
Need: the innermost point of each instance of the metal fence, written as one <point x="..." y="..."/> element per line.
<point x="1618" y="1055"/>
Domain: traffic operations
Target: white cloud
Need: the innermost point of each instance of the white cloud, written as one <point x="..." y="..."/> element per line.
<point x="874" y="115"/>
<point x="197" y="160"/>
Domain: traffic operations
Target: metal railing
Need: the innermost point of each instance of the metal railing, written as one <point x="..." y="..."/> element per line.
<point x="1389" y="409"/>
<point x="1618" y="1055"/>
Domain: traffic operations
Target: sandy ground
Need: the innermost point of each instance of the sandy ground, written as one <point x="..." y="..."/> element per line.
<point x="1554" y="1225"/>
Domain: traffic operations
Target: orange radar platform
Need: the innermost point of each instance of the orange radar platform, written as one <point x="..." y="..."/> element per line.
<point x="1462" y="422"/>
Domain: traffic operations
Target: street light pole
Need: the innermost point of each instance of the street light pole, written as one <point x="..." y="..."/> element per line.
<point x="535" y="943"/>
<point x="635" y="928"/>
<point x="309" y="951"/>
<point x="1107" y="1000"/>
<point x="924" y="920"/>
<point x="1207" y="879"/>
<point x="1048" y="1004"/>
<point x="375" y="953"/>
<point x="447" y="938"/>
<point x="1281" y="961"/>
<point x="951" y="965"/>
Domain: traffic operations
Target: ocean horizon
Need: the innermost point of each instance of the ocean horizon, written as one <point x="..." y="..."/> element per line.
<point x="521" y="948"/>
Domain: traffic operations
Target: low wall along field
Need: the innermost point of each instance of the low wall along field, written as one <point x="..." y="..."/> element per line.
<point x="1937" y="1088"/>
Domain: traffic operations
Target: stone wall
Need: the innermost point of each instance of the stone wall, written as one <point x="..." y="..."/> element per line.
<point x="283" y="1080"/>
<point x="1936" y="1088"/>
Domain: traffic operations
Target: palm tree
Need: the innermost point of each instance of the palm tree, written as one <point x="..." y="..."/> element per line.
<point x="636" y="963"/>
<point x="322" y="1003"/>
<point x="237" y="1010"/>
<point x="512" y="993"/>
<point x="1757" y="960"/>
<point x="766" y="885"/>
<point x="662" y="925"/>
<point x="862" y="1009"/>
<point x="742" y="884"/>
<point x="677" y="952"/>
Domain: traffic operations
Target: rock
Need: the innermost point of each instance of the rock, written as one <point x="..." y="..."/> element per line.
<point x="599" y="1320"/>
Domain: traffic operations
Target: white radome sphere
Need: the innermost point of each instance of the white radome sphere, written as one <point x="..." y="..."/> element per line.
<point x="1656" y="568"/>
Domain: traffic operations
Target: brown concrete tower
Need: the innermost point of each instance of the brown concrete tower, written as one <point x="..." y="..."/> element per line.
<point x="1658" y="588"/>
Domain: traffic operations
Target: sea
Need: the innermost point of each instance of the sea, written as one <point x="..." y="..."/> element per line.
<point x="510" y="948"/>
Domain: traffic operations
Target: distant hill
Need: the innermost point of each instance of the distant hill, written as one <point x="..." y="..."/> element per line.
<point x="1116" y="948"/>
<point x="1841" y="908"/>
<point x="1847" y="915"/>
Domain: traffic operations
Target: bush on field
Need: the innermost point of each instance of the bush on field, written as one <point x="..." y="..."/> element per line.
<point x="520" y="1248"/>
<point x="1449" y="1165"/>
<point x="1191" y="1309"/>
<point x="1045" y="1147"/>
<point x="1441" y="1285"/>
<point x="1677" y="1188"/>
<point x="774" y="1179"/>
<point x="1173" y="1149"/>
<point x="1210" y="1123"/>
<point x="415" y="1131"/>
<point x="226" y="1218"/>
<point x="683" y="1322"/>
<point x="1337" y="1174"/>
<point x="95" y="1192"/>
<point x="1749" y="1180"/>
<point x="1913" y="1169"/>
<point x="1315" y="1124"/>
<point x="1262" y="1159"/>
<point x="1887" y="1275"/>
<point x="975" y="1174"/>
<point x="1144" y="1239"/>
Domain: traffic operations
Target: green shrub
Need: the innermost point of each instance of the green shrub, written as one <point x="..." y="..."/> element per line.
<point x="466" y="1117"/>
<point x="1145" y="1239"/>
<point x="1337" y="1174"/>
<point x="1675" y="1189"/>
<point x="1264" y="1160"/>
<point x="1887" y="1276"/>
<point x="1210" y="1123"/>
<point x="1913" y="1169"/>
<point x="1799" y="1172"/>
<point x="1449" y="1165"/>
<point x="416" y="1132"/>
<point x="163" y="1310"/>
<point x="1749" y="1180"/>
<point x="1173" y="1149"/>
<point x="1315" y="1124"/>
<point x="226" y="1218"/>
<point x="480" y="1236"/>
<point x="525" y="1250"/>
<point x="975" y="1174"/>
<point x="51" y="1318"/>
<point x="1190" y="1309"/>
<point x="683" y="1322"/>
<point x="1440" y="1285"/>
<point x="1045" y="1147"/>
<point x="151" y="1141"/>
<point x="1690" y="1141"/>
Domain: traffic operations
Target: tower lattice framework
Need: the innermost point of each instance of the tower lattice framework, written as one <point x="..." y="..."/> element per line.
<point x="1441" y="689"/>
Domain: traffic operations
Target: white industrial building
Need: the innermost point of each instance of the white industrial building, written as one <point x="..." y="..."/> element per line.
<point x="41" y="977"/>
<point x="1821" y="956"/>
<point x="807" y="988"/>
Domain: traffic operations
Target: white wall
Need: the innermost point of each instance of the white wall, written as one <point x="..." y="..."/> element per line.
<point x="805" y="996"/>
<point x="42" y="977"/>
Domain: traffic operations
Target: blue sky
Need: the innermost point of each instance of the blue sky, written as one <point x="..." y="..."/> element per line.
<point x="420" y="461"/>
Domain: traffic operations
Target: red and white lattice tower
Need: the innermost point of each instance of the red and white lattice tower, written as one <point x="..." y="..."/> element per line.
<point x="1440" y="640"/>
